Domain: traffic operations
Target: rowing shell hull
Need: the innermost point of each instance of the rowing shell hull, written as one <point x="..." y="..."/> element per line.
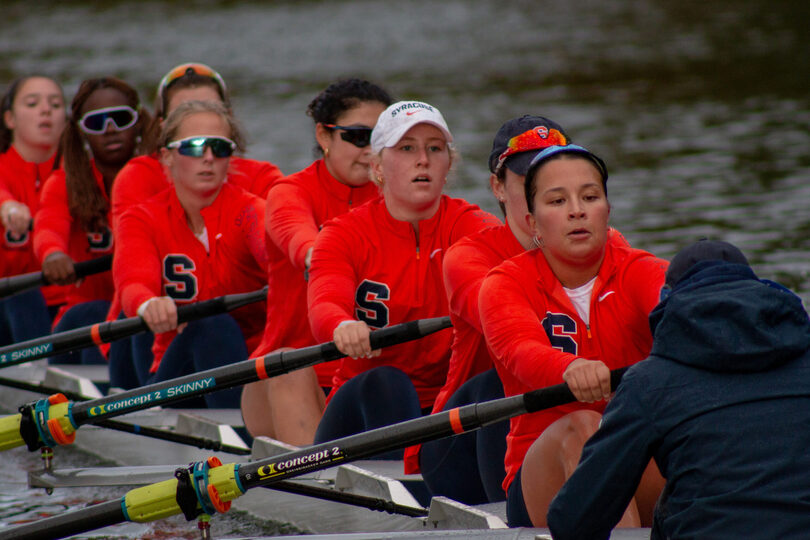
<point x="303" y="513"/>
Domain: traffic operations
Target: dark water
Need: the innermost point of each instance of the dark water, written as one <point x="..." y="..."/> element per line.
<point x="700" y="108"/>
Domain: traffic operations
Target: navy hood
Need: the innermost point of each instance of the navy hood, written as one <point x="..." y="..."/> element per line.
<point x="720" y="317"/>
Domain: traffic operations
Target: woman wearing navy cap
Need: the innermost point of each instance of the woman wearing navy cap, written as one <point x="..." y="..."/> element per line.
<point x="469" y="467"/>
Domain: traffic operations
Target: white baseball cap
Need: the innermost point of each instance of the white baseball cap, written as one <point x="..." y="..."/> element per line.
<point x="398" y="118"/>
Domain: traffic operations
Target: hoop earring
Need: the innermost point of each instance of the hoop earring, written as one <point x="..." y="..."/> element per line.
<point x="326" y="152"/>
<point x="538" y="242"/>
<point x="380" y="180"/>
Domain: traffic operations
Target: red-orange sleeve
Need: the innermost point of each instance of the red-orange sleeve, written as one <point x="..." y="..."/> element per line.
<point x="137" y="181"/>
<point x="52" y="221"/>
<point x="332" y="281"/>
<point x="290" y="222"/>
<point x="643" y="279"/>
<point x="6" y="177"/>
<point x="136" y="263"/>
<point x="472" y="220"/>
<point x="252" y="229"/>
<point x="514" y="332"/>
<point x="464" y="268"/>
<point x="5" y="194"/>
<point x="254" y="176"/>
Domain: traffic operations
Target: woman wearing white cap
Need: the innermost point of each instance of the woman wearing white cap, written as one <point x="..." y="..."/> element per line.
<point x="381" y="264"/>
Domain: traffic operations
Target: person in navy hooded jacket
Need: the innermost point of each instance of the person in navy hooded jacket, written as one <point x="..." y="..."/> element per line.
<point x="722" y="404"/>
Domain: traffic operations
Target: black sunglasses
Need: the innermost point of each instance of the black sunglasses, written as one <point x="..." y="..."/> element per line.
<point x="360" y="136"/>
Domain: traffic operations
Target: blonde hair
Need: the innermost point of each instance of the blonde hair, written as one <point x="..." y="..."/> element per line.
<point x="173" y="122"/>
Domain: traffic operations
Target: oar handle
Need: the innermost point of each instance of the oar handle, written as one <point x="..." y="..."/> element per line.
<point x="276" y="364"/>
<point x="16" y="284"/>
<point x="560" y="394"/>
<point x="66" y="524"/>
<point x="221" y="304"/>
<point x="93" y="266"/>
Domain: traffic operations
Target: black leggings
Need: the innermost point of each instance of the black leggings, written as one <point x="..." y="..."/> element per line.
<point x="469" y="467"/>
<point x="517" y="515"/>
<point x="378" y="397"/>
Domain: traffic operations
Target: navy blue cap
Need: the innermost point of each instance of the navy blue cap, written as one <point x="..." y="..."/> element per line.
<point x="702" y="250"/>
<point x="518" y="159"/>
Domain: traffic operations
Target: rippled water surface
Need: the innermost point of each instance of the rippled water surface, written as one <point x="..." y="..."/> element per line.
<point x="700" y="108"/>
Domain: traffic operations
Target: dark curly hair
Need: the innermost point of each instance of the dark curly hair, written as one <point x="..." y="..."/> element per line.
<point x="341" y="96"/>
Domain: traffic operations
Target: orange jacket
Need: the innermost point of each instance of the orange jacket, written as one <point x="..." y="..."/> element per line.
<point x="55" y="230"/>
<point x="534" y="331"/>
<point x="22" y="181"/>
<point x="157" y="254"/>
<point x="369" y="266"/>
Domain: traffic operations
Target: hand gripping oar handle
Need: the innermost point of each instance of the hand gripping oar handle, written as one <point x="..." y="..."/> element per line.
<point x="23" y="282"/>
<point x="552" y="396"/>
<point x="105" y="332"/>
<point x="53" y="421"/>
<point x="215" y="485"/>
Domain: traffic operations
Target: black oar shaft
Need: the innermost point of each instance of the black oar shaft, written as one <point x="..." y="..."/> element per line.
<point x="152" y="433"/>
<point x="108" y="331"/>
<point x="179" y="438"/>
<point x="364" y="501"/>
<point x="240" y="373"/>
<point x="16" y="284"/>
<point x="68" y="524"/>
<point x="419" y="430"/>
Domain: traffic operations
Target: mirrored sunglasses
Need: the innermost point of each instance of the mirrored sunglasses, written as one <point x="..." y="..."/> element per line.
<point x="535" y="139"/>
<point x="97" y="121"/>
<point x="221" y="147"/>
<point x="360" y="136"/>
<point x="184" y="69"/>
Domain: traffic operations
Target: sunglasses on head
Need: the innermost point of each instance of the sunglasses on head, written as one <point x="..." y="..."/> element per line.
<point x="535" y="139"/>
<point x="96" y="122"/>
<point x="185" y="69"/>
<point x="360" y="136"/>
<point x="221" y="147"/>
